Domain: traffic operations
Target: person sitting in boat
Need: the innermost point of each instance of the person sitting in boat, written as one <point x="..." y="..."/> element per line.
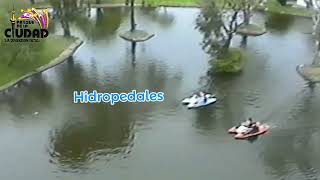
<point x="255" y="128"/>
<point x="205" y="99"/>
<point x="203" y="95"/>
<point x="248" y="123"/>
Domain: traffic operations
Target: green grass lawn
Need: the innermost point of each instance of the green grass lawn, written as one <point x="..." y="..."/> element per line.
<point x="275" y="7"/>
<point x="25" y="60"/>
<point x="19" y="59"/>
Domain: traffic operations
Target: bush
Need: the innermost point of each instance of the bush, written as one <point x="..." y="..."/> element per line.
<point x="282" y="2"/>
<point x="230" y="62"/>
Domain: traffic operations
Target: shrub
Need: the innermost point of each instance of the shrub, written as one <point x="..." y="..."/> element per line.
<point x="230" y="62"/>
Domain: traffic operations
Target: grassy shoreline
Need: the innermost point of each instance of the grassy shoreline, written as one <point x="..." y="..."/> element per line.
<point x="271" y="6"/>
<point x="55" y="50"/>
<point x="21" y="60"/>
<point x="274" y="7"/>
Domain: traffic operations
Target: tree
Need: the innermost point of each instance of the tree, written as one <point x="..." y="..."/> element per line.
<point x="133" y="23"/>
<point x="160" y="16"/>
<point x="220" y="22"/>
<point x="316" y="30"/>
<point x="218" y="26"/>
<point x="246" y="7"/>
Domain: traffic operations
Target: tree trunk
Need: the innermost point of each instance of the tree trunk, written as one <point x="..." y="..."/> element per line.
<point x="98" y="1"/>
<point x="133" y="24"/>
<point x="228" y="41"/>
<point x="225" y="46"/>
<point x="246" y="14"/>
<point x="127" y="2"/>
<point x="89" y="9"/>
<point x="232" y="29"/>
<point x="66" y="28"/>
<point x="246" y="21"/>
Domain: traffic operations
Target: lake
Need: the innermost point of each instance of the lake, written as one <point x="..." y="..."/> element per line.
<point x="43" y="135"/>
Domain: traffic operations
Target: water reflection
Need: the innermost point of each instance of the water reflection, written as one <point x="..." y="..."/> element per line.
<point x="103" y="23"/>
<point x="279" y="23"/>
<point x="89" y="132"/>
<point x="159" y="15"/>
<point x="232" y="101"/>
<point x="229" y="108"/>
<point x="206" y="119"/>
<point x="73" y="78"/>
<point x="100" y="23"/>
<point x="65" y="11"/>
<point x="244" y="41"/>
<point x="99" y="133"/>
<point x="292" y="146"/>
<point x="149" y="73"/>
<point x="133" y="51"/>
<point x="106" y="23"/>
<point x="36" y="91"/>
<point x="288" y="153"/>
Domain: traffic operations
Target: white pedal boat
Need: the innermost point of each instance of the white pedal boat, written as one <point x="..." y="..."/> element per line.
<point x="200" y="103"/>
<point x="189" y="99"/>
<point x="195" y="98"/>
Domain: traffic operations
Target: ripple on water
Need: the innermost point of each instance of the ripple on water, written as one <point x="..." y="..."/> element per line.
<point x="87" y="165"/>
<point x="252" y="97"/>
